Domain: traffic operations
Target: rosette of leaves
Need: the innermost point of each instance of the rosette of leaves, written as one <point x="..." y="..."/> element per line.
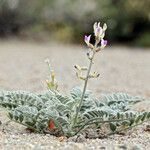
<point x="36" y="112"/>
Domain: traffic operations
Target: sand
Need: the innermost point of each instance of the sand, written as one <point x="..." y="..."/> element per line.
<point x="122" y="69"/>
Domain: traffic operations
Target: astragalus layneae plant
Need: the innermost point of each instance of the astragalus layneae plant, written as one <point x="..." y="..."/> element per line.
<point x="58" y="114"/>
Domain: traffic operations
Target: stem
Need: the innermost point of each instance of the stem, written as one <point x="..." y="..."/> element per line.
<point x="84" y="89"/>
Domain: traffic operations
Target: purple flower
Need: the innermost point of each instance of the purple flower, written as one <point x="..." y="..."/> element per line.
<point x="87" y="39"/>
<point x="103" y="43"/>
<point x="99" y="31"/>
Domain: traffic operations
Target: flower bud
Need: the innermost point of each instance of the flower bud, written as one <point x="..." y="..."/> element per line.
<point x="103" y="43"/>
<point x="104" y="26"/>
<point x="87" y="41"/>
<point x="52" y="75"/>
<point x="77" y="67"/>
<point x="97" y="30"/>
<point x="94" y="75"/>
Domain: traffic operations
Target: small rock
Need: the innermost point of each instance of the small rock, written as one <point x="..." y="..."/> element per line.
<point x="123" y="147"/>
<point x="147" y="128"/>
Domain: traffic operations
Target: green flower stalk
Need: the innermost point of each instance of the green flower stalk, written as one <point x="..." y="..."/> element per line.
<point x="51" y="83"/>
<point x="99" y="33"/>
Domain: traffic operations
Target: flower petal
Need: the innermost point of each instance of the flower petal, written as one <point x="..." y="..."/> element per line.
<point x="103" y="43"/>
<point x="87" y="39"/>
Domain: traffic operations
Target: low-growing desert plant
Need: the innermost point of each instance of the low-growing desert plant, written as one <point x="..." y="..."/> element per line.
<point x="58" y="114"/>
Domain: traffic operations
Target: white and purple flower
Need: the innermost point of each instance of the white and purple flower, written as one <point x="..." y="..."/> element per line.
<point x="103" y="43"/>
<point x="99" y="32"/>
<point x="87" y="41"/>
<point x="97" y="29"/>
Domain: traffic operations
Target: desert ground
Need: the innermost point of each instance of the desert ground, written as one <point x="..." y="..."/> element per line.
<point x="122" y="69"/>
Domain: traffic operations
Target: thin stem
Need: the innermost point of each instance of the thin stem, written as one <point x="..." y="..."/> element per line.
<point x="85" y="86"/>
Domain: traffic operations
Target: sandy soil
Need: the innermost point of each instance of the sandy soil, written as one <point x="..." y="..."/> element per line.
<point x="121" y="69"/>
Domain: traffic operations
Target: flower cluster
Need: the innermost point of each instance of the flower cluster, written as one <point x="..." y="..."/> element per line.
<point x="99" y="33"/>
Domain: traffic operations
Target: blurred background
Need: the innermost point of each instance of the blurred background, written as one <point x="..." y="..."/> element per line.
<point x="68" y="20"/>
<point x="33" y="30"/>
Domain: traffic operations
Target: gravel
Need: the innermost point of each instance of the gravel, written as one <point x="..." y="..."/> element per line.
<point x="121" y="69"/>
